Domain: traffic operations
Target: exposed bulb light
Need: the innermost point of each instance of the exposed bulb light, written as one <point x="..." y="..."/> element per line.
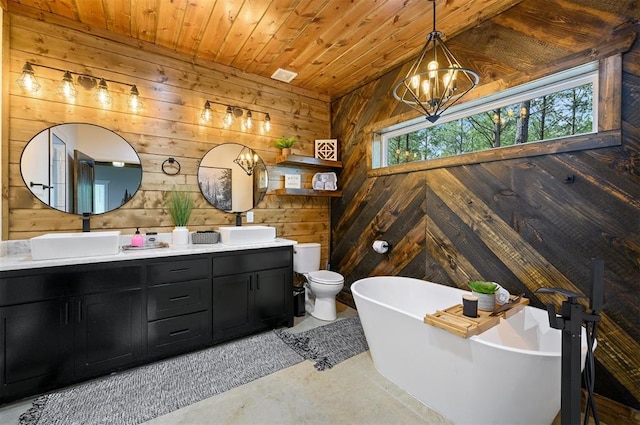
<point x="228" y="117"/>
<point x="102" y="93"/>
<point x="248" y="122"/>
<point x="206" y="112"/>
<point x="436" y="80"/>
<point x="27" y="80"/>
<point x="67" y="88"/>
<point x="134" y="99"/>
<point x="266" y="125"/>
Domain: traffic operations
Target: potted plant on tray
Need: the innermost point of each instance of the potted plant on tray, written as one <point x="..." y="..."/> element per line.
<point x="486" y="293"/>
<point x="180" y="207"/>
<point x="285" y="144"/>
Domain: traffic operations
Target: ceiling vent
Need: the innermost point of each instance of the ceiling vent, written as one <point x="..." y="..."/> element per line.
<point x="284" y="75"/>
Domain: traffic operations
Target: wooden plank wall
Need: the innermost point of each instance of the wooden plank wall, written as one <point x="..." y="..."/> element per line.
<point x="173" y="90"/>
<point x="513" y="221"/>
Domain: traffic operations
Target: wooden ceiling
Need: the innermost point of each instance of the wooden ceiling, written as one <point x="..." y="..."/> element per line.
<point x="337" y="45"/>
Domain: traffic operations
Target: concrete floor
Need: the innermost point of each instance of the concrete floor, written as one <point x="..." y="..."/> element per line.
<point x="351" y="393"/>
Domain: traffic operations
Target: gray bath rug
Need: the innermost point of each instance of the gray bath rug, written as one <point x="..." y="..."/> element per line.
<point x="141" y="394"/>
<point x="330" y="344"/>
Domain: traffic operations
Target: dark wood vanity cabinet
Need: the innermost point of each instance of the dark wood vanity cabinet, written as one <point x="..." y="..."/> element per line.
<point x="178" y="305"/>
<point x="60" y="325"/>
<point x="252" y="290"/>
<point x="63" y="324"/>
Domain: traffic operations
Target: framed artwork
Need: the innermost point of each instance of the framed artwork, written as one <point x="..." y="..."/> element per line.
<point x="327" y="149"/>
<point x="215" y="185"/>
<point x="292" y="181"/>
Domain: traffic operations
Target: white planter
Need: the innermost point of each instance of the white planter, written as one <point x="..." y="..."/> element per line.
<point x="486" y="302"/>
<point x="180" y="236"/>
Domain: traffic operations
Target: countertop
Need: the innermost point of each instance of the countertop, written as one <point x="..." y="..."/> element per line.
<point x="18" y="257"/>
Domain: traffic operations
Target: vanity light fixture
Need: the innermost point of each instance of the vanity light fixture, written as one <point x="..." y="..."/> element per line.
<point x="27" y="79"/>
<point x="232" y="113"/>
<point x="247" y="160"/>
<point x="436" y="80"/>
<point x="266" y="125"/>
<point x="206" y="112"/>
<point x="134" y="99"/>
<point x="67" y="86"/>
<point x="102" y="93"/>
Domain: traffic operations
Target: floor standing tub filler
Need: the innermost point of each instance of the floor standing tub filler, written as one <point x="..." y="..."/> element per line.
<point x="509" y="374"/>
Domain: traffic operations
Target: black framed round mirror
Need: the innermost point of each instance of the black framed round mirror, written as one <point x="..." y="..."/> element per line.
<point x="232" y="177"/>
<point x="81" y="168"/>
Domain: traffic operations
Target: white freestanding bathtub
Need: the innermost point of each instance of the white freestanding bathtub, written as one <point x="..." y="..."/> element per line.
<point x="509" y="374"/>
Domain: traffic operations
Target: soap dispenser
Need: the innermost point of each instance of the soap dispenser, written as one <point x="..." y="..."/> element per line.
<point x="137" y="239"/>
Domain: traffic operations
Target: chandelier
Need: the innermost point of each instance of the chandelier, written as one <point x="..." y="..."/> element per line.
<point x="247" y="160"/>
<point x="436" y="80"/>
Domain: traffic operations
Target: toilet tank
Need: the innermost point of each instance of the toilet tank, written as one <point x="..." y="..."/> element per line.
<point x="306" y="257"/>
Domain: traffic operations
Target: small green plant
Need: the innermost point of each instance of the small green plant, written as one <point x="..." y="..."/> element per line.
<point x="483" y="287"/>
<point x="180" y="206"/>
<point x="285" y="142"/>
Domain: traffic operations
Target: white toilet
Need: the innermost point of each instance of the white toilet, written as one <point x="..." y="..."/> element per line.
<point x="322" y="285"/>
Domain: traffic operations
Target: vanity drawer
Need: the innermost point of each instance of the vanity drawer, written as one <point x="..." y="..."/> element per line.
<point x="176" y="334"/>
<point x="253" y="261"/>
<point x="178" y="271"/>
<point x="23" y="286"/>
<point x="174" y="299"/>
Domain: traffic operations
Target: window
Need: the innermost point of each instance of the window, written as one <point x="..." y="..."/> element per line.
<point x="562" y="105"/>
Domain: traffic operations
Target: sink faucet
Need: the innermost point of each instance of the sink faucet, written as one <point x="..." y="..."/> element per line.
<point x="86" y="222"/>
<point x="239" y="218"/>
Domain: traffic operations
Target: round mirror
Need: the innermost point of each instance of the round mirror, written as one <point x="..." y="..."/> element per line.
<point x="232" y="177"/>
<point x="81" y="168"/>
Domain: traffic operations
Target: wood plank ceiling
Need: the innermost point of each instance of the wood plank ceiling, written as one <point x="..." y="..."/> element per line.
<point x="335" y="46"/>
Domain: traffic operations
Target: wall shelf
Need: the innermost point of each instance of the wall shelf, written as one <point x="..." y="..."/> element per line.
<point x="309" y="161"/>
<point x="308" y="192"/>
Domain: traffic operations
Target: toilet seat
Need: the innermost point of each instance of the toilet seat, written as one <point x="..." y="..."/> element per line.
<point x="326" y="277"/>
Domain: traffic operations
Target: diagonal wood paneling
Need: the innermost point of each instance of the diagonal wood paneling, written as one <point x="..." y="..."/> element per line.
<point x="515" y="220"/>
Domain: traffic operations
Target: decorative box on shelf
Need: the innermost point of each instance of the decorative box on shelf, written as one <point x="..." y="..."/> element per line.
<point x="327" y="149"/>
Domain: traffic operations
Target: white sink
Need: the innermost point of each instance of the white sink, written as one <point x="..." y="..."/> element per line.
<point x="71" y="245"/>
<point x="241" y="235"/>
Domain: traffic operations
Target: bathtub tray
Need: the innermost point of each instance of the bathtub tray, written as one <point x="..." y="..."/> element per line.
<point x="452" y="320"/>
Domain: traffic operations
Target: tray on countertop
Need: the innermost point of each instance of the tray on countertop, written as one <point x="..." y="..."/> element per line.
<point x="452" y="320"/>
<point x="151" y="246"/>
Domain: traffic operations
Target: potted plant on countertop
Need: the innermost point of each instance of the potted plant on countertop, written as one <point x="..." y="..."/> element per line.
<point x="285" y="144"/>
<point x="486" y="293"/>
<point x="180" y="207"/>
